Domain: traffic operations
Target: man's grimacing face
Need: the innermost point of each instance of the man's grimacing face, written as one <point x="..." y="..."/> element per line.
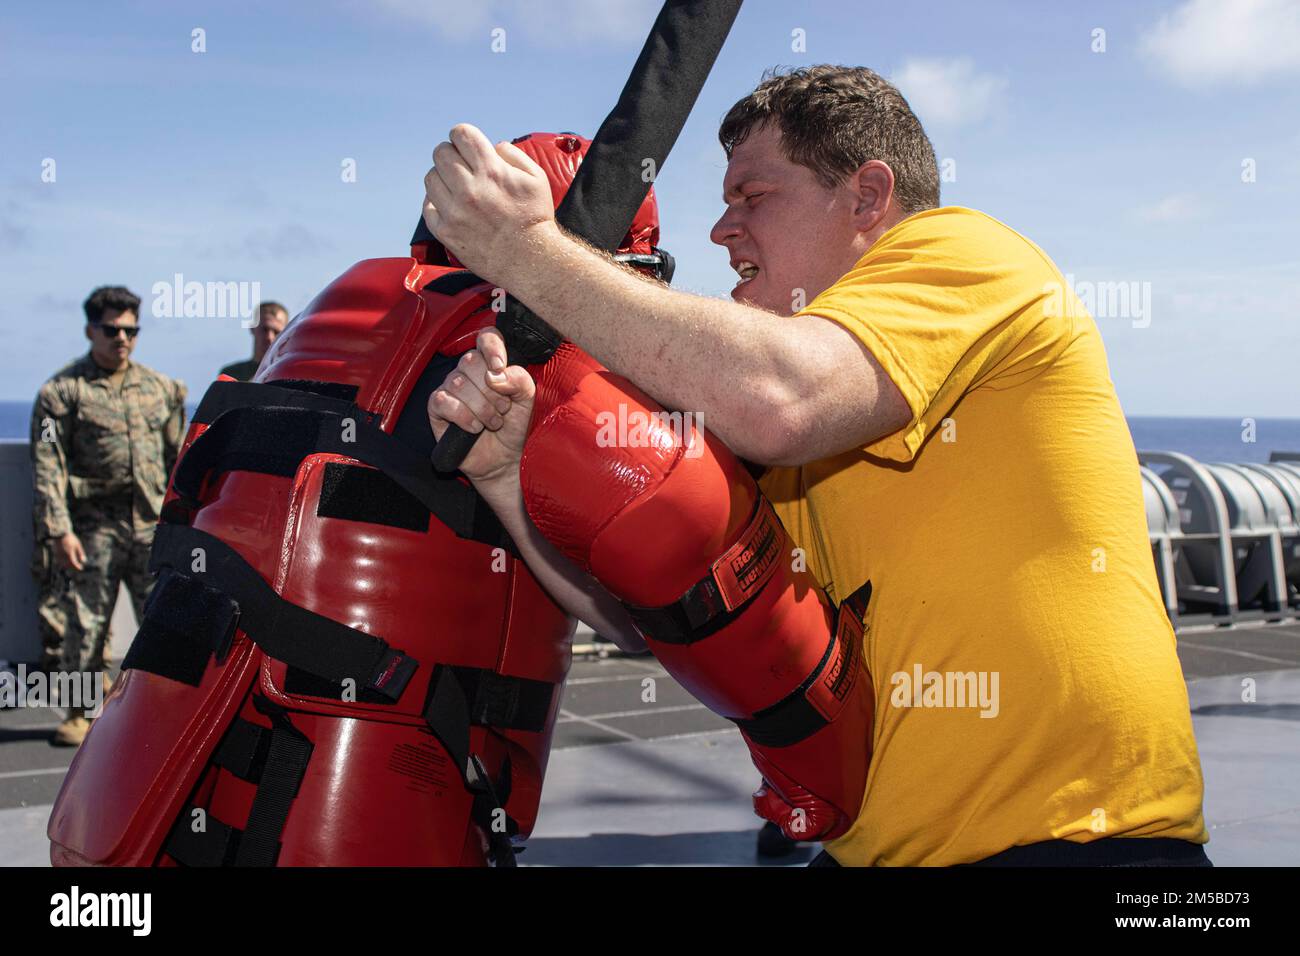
<point x="782" y="227"/>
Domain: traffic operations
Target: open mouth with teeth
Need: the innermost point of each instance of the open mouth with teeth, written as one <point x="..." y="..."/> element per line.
<point x="747" y="271"/>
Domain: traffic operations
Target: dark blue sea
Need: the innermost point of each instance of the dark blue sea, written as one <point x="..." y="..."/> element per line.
<point x="1207" y="439"/>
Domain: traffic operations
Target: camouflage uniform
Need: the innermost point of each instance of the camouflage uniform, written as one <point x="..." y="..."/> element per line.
<point x="101" y="459"/>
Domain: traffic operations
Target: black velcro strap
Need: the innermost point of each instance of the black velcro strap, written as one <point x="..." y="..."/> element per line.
<point x="270" y="430"/>
<point x="496" y="700"/>
<point x="186" y="622"/>
<point x="504" y="702"/>
<point x="735" y="578"/>
<point x="697" y="614"/>
<point x="462" y="696"/>
<point x="285" y="631"/>
<point x="354" y="493"/>
<point x="300" y="683"/>
<point x="794" y="718"/>
<point x="488" y="810"/>
<point x="791" y="719"/>
<point x="446" y="711"/>
<point x="221" y="397"/>
<point x="286" y="764"/>
<point x="243" y="750"/>
<point x="214" y="845"/>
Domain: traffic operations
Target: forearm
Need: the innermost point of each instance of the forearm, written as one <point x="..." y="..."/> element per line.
<point x="49" y="480"/>
<point x="736" y="365"/>
<point x="567" y="584"/>
<point x="173" y="438"/>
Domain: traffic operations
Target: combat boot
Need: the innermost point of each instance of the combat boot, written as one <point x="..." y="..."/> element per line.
<point x="72" y="731"/>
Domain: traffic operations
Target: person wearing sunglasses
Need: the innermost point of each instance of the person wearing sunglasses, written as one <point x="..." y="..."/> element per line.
<point x="105" y="432"/>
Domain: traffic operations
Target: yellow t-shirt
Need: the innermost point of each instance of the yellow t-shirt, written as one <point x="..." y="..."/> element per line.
<point x="1027" y="685"/>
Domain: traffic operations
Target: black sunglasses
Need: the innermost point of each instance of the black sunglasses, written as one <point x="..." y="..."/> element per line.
<point x="110" y="331"/>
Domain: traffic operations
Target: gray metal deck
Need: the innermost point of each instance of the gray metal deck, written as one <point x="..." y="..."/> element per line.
<point x="667" y="783"/>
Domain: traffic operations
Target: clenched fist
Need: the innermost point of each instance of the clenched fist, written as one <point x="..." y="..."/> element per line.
<point x="484" y="395"/>
<point x="482" y="201"/>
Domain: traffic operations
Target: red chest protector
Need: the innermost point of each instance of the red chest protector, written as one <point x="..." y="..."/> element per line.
<point x="342" y="662"/>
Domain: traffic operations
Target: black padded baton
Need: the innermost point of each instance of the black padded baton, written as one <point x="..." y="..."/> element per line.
<point x="627" y="153"/>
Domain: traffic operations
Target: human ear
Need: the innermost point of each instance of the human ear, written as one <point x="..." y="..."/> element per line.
<point x="873" y="188"/>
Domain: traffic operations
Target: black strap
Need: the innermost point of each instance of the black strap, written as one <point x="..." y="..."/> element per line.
<point x="285" y="631"/>
<point x="737" y="576"/>
<point x="244" y="749"/>
<point x="794" y="718"/>
<point x="186" y="623"/>
<point x="355" y="493"/>
<point x="462" y="696"/>
<point x="697" y="614"/>
<point x="275" y="759"/>
<point x="489" y="807"/>
<point x="791" y="719"/>
<point x="215" y="845"/>
<point x="222" y="397"/>
<point x="502" y="701"/>
<point x="286" y="764"/>
<point x="260" y="427"/>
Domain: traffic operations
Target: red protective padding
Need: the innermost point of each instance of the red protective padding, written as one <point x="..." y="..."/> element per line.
<point x="379" y="788"/>
<point x="650" y="505"/>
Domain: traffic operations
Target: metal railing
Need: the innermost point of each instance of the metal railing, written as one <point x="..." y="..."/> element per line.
<point x="1225" y="537"/>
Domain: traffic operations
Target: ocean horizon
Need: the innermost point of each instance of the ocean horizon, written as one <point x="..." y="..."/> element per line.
<point x="1204" y="438"/>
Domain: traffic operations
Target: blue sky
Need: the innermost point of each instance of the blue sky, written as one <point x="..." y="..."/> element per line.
<point x="1126" y="165"/>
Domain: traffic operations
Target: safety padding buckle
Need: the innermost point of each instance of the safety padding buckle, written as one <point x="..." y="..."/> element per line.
<point x="392" y="674"/>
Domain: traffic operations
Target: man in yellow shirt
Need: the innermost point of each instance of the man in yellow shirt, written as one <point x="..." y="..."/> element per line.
<point x="937" y="416"/>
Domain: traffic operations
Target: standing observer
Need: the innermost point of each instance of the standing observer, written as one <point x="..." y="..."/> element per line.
<point x="105" y="433"/>
<point x="272" y="317"/>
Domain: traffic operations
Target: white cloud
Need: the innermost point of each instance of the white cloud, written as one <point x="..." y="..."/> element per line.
<point x="949" y="92"/>
<point x="1208" y="42"/>
<point x="1178" y="208"/>
<point x="555" y="23"/>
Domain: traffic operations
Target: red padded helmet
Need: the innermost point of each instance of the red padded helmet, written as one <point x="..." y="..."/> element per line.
<point x="560" y="154"/>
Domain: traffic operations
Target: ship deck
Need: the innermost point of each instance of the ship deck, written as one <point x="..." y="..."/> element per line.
<point x="635" y="783"/>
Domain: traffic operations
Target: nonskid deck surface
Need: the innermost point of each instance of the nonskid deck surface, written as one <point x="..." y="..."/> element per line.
<point x="643" y="775"/>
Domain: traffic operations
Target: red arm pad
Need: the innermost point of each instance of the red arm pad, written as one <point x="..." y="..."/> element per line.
<point x="658" y="511"/>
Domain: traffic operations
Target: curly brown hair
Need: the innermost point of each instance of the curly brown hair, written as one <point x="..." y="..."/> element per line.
<point x="833" y="119"/>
